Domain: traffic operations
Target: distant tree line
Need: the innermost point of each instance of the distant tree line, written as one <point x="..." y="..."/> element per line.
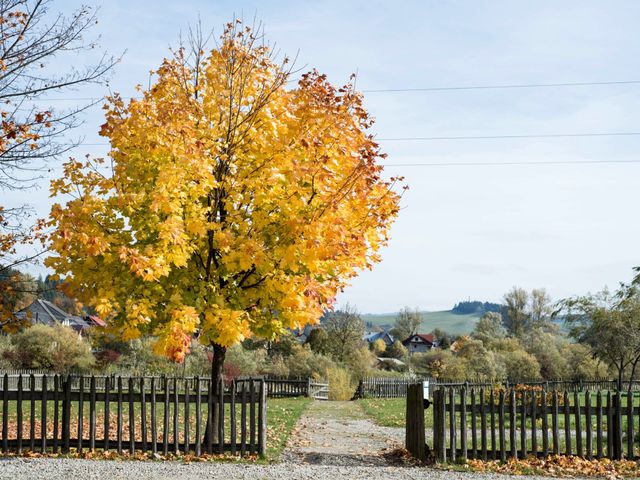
<point x="475" y="306"/>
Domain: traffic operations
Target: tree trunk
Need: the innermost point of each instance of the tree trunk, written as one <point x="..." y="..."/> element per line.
<point x="217" y="363"/>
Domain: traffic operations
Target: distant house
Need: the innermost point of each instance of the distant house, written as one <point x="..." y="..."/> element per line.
<point x="301" y="334"/>
<point x="419" y="342"/>
<point x="386" y="337"/>
<point x="44" y="312"/>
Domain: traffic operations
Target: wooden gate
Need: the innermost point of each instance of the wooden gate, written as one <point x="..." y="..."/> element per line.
<point x="319" y="391"/>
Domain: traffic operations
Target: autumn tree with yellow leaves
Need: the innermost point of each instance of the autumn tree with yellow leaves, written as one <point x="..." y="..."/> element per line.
<point x="236" y="203"/>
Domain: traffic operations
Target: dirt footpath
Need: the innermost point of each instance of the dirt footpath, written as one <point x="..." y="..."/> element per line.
<point x="340" y="434"/>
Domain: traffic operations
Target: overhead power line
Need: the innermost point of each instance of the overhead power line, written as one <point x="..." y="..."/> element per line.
<point x="493" y="137"/>
<point x="497" y="87"/>
<point x="532" y="162"/>
<point x="416" y="89"/>
<point x="471" y="137"/>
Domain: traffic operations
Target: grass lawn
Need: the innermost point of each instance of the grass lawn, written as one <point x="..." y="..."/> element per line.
<point x="390" y="412"/>
<point x="282" y="416"/>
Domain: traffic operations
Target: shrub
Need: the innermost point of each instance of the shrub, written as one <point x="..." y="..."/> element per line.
<point x="57" y="348"/>
<point x="378" y="347"/>
<point x="361" y="362"/>
<point x="520" y="365"/>
<point x="341" y="385"/>
<point x="397" y="350"/>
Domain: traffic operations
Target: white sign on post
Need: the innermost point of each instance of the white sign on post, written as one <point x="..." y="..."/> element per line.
<point x="425" y="389"/>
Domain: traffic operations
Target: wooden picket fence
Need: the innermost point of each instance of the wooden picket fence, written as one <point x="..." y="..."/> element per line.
<point x="287" y="387"/>
<point x="396" y="387"/>
<point x="157" y="415"/>
<point x="479" y="423"/>
<point x="382" y="387"/>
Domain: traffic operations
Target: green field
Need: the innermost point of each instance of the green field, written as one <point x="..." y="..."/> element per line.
<point x="444" y="320"/>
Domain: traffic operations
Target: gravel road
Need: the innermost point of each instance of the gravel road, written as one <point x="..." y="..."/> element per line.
<point x="65" y="469"/>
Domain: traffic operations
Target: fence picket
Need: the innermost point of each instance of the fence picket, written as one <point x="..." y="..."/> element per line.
<point x="80" y="413"/>
<point x="463" y="422"/>
<point x="32" y="413"/>
<point x="43" y="415"/>
<point x="143" y="415"/>
<point x="474" y="440"/>
<point x="107" y="413"/>
<point x="19" y="414"/>
<point x="232" y="417"/>
<point x="588" y="427"/>
<point x="600" y="452"/>
<point x="132" y="419"/>
<point x="578" y="424"/>
<point x="92" y="414"/>
<point x="503" y="451"/>
<point x="154" y="423"/>
<point x="198" y="419"/>
<point x="523" y="425"/>
<point x="5" y="414"/>
<point x="483" y="424"/>
<point x="119" y="419"/>
<point x="545" y="424"/>
<point x="567" y="424"/>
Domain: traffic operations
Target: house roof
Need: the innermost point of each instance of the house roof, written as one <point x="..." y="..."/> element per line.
<point x="420" y="338"/>
<point x="373" y="336"/>
<point x="96" y="321"/>
<point x="43" y="311"/>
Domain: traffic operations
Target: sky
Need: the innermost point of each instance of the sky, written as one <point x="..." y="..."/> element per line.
<point x="464" y="231"/>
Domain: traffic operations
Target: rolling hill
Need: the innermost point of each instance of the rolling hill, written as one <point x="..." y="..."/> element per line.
<point x="444" y="320"/>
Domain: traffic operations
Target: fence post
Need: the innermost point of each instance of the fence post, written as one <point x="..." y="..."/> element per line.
<point x="262" y="420"/>
<point x="66" y="414"/>
<point x="414" y="433"/>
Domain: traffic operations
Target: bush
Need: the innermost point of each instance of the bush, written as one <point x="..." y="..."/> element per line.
<point x="361" y="362"/>
<point x="520" y="365"/>
<point x="397" y="350"/>
<point x="58" y="349"/>
<point x="305" y="363"/>
<point x="378" y="347"/>
<point x="341" y="385"/>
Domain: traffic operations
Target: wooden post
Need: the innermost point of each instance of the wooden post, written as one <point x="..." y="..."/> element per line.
<point x="80" y="413"/>
<point x="154" y="423"/>
<point x="66" y="415"/>
<point x="221" y="416"/>
<point x="132" y="418"/>
<point x="618" y="426"/>
<point x="503" y="451"/>
<point x="545" y="424"/>
<point x="56" y="408"/>
<point x="512" y="423"/>
<point x="198" y="418"/>
<point x="243" y="420"/>
<point x="165" y="417"/>
<point x="232" y="415"/>
<point x="534" y="425"/>
<point x="630" y="429"/>
<point x="483" y="425"/>
<point x="578" y="423"/>
<point x="32" y="413"/>
<point x="107" y="412"/>
<point x="43" y="415"/>
<point x="19" y="414"/>
<point x="92" y="414"/>
<point x="587" y="411"/>
<point x="119" y="417"/>
<point x="463" y="422"/>
<point x="262" y="420"/>
<point x="492" y="405"/>
<point x="453" y="455"/>
<point x="143" y="415"/>
<point x="176" y="408"/>
<point x="5" y="413"/>
<point x="523" y="425"/>
<point x="567" y="424"/>
<point x="187" y="419"/>
<point x="414" y="419"/>
<point x="610" y="427"/>
<point x="474" y="440"/>
<point x="599" y="442"/>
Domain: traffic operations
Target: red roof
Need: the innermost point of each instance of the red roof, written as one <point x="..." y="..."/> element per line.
<point x="97" y="321"/>
<point x="425" y="337"/>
